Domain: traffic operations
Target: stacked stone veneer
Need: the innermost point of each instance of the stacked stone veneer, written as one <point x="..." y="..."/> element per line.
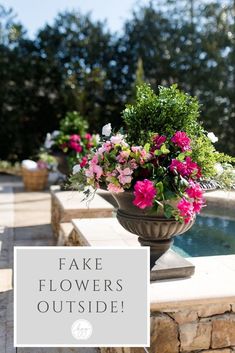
<point x="205" y="328"/>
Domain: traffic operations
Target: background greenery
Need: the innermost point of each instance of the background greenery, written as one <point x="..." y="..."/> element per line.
<point x="77" y="64"/>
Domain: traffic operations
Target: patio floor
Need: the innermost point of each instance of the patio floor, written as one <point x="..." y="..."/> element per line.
<point x="24" y="221"/>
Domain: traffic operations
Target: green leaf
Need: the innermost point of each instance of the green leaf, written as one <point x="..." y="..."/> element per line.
<point x="181" y="157"/>
<point x="158" y="152"/>
<point x="147" y="147"/>
<point x="168" y="211"/>
<point x="168" y="195"/>
<point x="160" y="189"/>
<point x="164" y="149"/>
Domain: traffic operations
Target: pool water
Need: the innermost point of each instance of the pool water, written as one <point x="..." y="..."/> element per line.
<point x="209" y="236"/>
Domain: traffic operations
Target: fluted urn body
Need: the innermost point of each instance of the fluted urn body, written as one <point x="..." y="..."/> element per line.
<point x="152" y="229"/>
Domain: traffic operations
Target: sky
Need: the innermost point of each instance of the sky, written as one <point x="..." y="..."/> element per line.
<point x="33" y="14"/>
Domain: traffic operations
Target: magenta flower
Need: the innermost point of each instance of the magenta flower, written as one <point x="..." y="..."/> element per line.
<point x="179" y="167"/>
<point x="186" y="210"/>
<point x="84" y="162"/>
<point x="75" y="146"/>
<point x="194" y="191"/>
<point x="88" y="136"/>
<point x="144" y="193"/>
<point x="186" y="168"/>
<point x="193" y="169"/>
<point x="75" y="138"/>
<point x="197" y="205"/>
<point x="181" y="140"/>
<point x="159" y="140"/>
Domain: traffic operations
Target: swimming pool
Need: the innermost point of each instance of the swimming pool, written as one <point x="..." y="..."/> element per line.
<point x="210" y="235"/>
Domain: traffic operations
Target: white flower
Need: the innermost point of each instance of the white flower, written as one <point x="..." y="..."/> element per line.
<point x="106" y="130"/>
<point x="48" y="141"/>
<point x="97" y="138"/>
<point x="55" y="133"/>
<point x="117" y="139"/>
<point x="219" y="169"/>
<point x="29" y="164"/>
<point x="76" y="169"/>
<point x="211" y="136"/>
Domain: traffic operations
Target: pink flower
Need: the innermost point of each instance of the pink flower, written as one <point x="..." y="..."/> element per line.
<point x="94" y="159"/>
<point x="74" y="143"/>
<point x="123" y="156"/>
<point x="97" y="170"/>
<point x="115" y="188"/>
<point x="83" y="162"/>
<point x="197" y="205"/>
<point x="75" y="138"/>
<point x="144" y="193"/>
<point x="186" y="210"/>
<point x="94" y="171"/>
<point x="186" y="168"/>
<point x="133" y="164"/>
<point x="88" y="136"/>
<point x="107" y="146"/>
<point x="178" y="167"/>
<point x="193" y="169"/>
<point x="117" y="139"/>
<point x="136" y="149"/>
<point x="194" y="191"/>
<point x="89" y="173"/>
<point x="124" y="175"/>
<point x="159" y="140"/>
<point x="181" y="140"/>
<point x="42" y="165"/>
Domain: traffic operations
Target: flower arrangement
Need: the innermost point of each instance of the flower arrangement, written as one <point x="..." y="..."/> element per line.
<point x="163" y="164"/>
<point x="160" y="171"/>
<point x="72" y="139"/>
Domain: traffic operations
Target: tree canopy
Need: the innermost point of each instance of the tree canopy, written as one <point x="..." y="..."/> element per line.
<point x="77" y="64"/>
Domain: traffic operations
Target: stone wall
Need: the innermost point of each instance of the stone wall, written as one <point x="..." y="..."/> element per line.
<point x="199" y="329"/>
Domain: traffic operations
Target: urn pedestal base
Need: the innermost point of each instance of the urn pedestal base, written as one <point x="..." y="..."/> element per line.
<point x="171" y="265"/>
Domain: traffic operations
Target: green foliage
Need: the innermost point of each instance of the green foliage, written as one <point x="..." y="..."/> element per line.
<point x="165" y="113"/>
<point x="47" y="158"/>
<point x="226" y="180"/>
<point x="170" y="111"/>
<point x="73" y="123"/>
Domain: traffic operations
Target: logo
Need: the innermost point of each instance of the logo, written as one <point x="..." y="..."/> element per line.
<point x="81" y="329"/>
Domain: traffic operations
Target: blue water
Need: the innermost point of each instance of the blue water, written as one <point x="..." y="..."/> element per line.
<point x="208" y="236"/>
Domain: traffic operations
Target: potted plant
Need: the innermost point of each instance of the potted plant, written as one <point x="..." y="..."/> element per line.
<point x="71" y="143"/>
<point x="35" y="174"/>
<point x="155" y="168"/>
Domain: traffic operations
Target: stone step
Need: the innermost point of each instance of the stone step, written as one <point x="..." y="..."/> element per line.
<point x="64" y="233"/>
<point x="66" y="205"/>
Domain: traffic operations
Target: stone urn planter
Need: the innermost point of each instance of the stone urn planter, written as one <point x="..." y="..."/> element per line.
<point x="153" y="230"/>
<point x="63" y="165"/>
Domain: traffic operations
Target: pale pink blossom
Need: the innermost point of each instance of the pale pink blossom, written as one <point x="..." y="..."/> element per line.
<point x="117" y="139"/>
<point x="124" y="175"/>
<point x="123" y="156"/>
<point x="115" y="188"/>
